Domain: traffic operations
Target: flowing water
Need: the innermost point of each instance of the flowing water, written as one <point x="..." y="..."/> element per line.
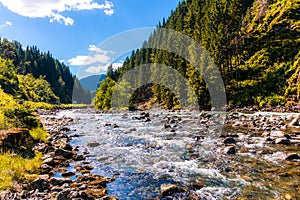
<point x="141" y="156"/>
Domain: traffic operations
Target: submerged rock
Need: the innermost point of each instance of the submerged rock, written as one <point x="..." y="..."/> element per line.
<point x="93" y="144"/>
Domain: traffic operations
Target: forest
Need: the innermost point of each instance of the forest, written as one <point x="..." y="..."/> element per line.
<point x="254" y="44"/>
<point x="31" y="75"/>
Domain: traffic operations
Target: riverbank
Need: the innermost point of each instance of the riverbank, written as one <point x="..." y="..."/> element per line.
<point x="57" y="155"/>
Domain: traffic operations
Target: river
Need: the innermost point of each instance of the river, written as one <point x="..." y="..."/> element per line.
<point x="178" y="148"/>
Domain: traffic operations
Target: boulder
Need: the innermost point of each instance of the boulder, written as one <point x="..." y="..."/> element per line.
<point x="79" y="158"/>
<point x="293" y="156"/>
<point x="294" y="122"/>
<point x="93" y="144"/>
<point x="277" y="134"/>
<point x="147" y="119"/>
<point x="63" y="195"/>
<point x="170" y="189"/>
<point x="46" y="169"/>
<point x="229" y="150"/>
<point x="41" y="184"/>
<point x="49" y="161"/>
<point x="282" y="141"/>
<point x="67" y="174"/>
<point x="64" y="153"/>
<point x="66" y="147"/>
<point x="17" y="140"/>
<point x="60" y="181"/>
<point x="265" y="134"/>
<point x="229" y="140"/>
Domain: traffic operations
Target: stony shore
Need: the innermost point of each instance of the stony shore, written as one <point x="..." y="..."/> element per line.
<point x="57" y="154"/>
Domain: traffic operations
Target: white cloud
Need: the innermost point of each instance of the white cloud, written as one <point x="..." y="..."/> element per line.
<point x="95" y="63"/>
<point x="109" y="12"/>
<point x="53" y="8"/>
<point x="88" y="60"/>
<point x="7" y="23"/>
<point x="97" y="56"/>
<point x="93" y="48"/>
<point x="97" y="69"/>
<point x="61" y="19"/>
<point x="117" y="64"/>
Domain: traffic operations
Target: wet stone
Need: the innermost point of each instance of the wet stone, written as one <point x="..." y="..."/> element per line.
<point x="65" y="153"/>
<point x="67" y="174"/>
<point x="229" y="150"/>
<point x="170" y="189"/>
<point x="229" y="140"/>
<point x="59" y="182"/>
<point x="282" y="141"/>
<point x="79" y="158"/>
<point x="148" y="120"/>
<point x="41" y="183"/>
<point x="93" y="144"/>
<point x="293" y="156"/>
<point x="49" y="161"/>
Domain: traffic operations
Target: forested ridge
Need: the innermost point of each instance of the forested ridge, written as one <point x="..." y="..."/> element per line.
<point x="254" y="43"/>
<point x="29" y="74"/>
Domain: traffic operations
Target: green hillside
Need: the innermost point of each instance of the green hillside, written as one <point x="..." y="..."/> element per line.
<point x="254" y="44"/>
<point x="28" y="74"/>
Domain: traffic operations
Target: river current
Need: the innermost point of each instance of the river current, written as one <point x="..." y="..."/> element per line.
<point x="142" y="155"/>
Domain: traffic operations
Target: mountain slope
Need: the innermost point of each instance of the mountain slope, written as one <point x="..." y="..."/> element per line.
<point x="255" y="45"/>
<point x="92" y="82"/>
<point x="30" y="62"/>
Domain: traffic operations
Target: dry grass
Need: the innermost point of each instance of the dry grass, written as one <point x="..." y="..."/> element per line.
<point x="14" y="168"/>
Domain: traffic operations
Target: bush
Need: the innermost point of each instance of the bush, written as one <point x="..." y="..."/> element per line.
<point x="39" y="134"/>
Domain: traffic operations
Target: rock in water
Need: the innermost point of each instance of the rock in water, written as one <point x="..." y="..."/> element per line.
<point x="64" y="153"/>
<point x="93" y="144"/>
<point x="293" y="156"/>
<point x="170" y="189"/>
<point x="229" y="150"/>
<point x="277" y="134"/>
<point x="282" y="141"/>
<point x="229" y="140"/>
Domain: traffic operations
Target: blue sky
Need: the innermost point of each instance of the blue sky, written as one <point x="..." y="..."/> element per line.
<point x="73" y="30"/>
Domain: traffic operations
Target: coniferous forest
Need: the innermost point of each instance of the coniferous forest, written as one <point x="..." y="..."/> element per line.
<point x="254" y="44"/>
<point x="29" y="74"/>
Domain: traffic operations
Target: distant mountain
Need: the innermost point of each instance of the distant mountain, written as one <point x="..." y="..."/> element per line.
<point x="91" y="82"/>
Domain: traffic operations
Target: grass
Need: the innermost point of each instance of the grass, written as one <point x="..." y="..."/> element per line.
<point x="39" y="134"/>
<point x="14" y="168"/>
<point x="48" y="106"/>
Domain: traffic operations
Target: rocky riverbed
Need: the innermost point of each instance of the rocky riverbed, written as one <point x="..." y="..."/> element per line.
<point x="58" y="154"/>
<point x="168" y="155"/>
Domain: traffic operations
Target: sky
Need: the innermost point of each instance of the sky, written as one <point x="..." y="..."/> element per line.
<point x="86" y="35"/>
